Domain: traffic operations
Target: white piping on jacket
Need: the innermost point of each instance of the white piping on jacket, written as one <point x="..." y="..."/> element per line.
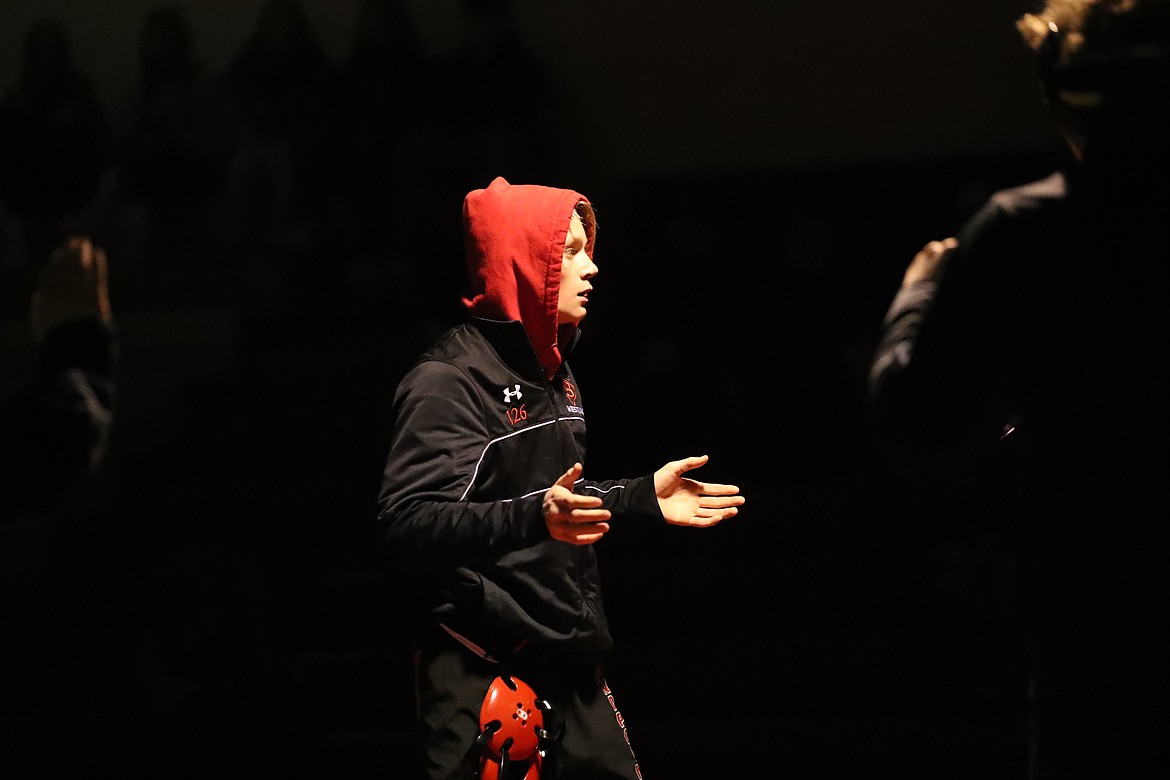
<point x="482" y="455"/>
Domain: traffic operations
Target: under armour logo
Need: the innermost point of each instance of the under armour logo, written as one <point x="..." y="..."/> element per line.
<point x="521" y="714"/>
<point x="512" y="395"/>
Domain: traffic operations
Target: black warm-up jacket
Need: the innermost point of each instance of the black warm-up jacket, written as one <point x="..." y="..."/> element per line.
<point x="480" y="435"/>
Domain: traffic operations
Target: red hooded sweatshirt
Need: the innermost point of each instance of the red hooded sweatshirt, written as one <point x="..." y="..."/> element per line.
<point x="515" y="240"/>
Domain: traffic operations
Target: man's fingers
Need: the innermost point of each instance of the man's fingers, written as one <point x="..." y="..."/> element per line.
<point x="571" y="517"/>
<point x="705" y="519"/>
<point x="720" y="502"/>
<point x="714" y="489"/>
<point x="82" y="249"/>
<point x="573" y="503"/>
<point x="686" y="464"/>
<point x="579" y="518"/>
<point x="582" y="539"/>
<point x="590" y="515"/>
<point x="580" y="533"/>
<point x="938" y="247"/>
<point x="101" y="274"/>
<point x="582" y="516"/>
<point x="567" y="479"/>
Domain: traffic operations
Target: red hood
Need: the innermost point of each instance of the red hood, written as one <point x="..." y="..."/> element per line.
<point x="515" y="239"/>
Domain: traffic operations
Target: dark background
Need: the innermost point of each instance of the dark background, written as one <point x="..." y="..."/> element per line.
<point x="762" y="174"/>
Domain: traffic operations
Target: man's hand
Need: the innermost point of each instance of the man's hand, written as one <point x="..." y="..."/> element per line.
<point x="686" y="502"/>
<point x="929" y="262"/>
<point x="571" y="517"/>
<point x="72" y="286"/>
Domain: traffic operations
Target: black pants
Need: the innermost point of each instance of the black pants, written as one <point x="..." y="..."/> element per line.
<point x="451" y="683"/>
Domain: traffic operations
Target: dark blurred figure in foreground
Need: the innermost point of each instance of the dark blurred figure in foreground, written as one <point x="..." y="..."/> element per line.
<point x="1041" y="328"/>
<point x="56" y="710"/>
<point x="55" y="142"/>
<point x="277" y="88"/>
<point x="56" y="429"/>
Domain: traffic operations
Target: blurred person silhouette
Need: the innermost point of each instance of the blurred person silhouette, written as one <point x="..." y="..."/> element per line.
<point x="56" y="637"/>
<point x="172" y="161"/>
<point x="56" y="429"/>
<point x="1040" y="329"/>
<point x="55" y="141"/>
<point x="277" y="87"/>
<point x="485" y="505"/>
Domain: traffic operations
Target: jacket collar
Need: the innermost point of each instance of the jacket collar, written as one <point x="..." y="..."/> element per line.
<point x="510" y="341"/>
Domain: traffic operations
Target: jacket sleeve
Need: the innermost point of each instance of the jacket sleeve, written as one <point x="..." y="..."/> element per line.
<point x="631" y="499"/>
<point x="937" y="384"/>
<point x="437" y="444"/>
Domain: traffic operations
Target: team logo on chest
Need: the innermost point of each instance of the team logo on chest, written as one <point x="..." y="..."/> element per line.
<point x="511" y="395"/>
<point x="515" y="412"/>
<point x="572" y="405"/>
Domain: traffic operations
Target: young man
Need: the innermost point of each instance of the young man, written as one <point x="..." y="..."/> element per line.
<point x="1043" y="323"/>
<point x="484" y="494"/>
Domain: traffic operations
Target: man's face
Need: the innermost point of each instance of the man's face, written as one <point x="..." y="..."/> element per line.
<point x="577" y="269"/>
